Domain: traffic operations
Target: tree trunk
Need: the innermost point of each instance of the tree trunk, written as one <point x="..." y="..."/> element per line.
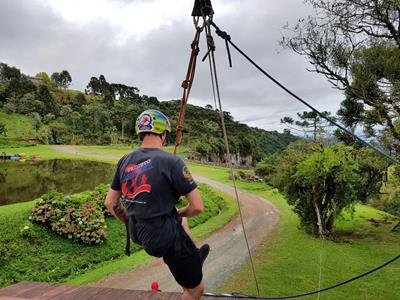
<point x="319" y="222"/>
<point x="315" y="130"/>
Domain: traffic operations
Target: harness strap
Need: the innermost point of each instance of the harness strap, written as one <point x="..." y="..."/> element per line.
<point x="128" y="241"/>
<point x="187" y="85"/>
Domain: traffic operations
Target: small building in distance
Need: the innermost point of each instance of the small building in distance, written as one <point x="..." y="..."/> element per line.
<point x="36" y="80"/>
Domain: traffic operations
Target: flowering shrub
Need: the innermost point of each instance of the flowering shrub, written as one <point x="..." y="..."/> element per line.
<point x="78" y="221"/>
<point x="99" y="194"/>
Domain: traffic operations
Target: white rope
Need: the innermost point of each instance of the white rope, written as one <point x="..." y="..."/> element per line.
<point x="229" y="158"/>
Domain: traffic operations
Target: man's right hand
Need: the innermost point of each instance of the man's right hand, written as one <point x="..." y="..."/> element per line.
<point x="120" y="212"/>
<point x="194" y="207"/>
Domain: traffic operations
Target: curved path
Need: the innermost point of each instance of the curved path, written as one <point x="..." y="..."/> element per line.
<point x="228" y="249"/>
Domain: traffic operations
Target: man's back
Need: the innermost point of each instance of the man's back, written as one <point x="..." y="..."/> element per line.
<point x="152" y="181"/>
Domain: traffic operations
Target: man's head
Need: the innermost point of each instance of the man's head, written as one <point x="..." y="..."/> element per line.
<point x="152" y="122"/>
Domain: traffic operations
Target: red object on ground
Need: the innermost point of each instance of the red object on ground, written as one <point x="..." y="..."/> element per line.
<point x="154" y="286"/>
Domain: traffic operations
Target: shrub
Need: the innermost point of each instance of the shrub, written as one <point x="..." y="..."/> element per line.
<point x="27" y="231"/>
<point x="77" y="218"/>
<point x="99" y="195"/>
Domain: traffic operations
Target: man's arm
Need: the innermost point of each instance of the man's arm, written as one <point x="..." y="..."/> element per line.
<point x="114" y="206"/>
<point x="194" y="207"/>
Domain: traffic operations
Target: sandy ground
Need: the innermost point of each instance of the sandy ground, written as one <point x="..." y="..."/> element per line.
<point x="228" y="248"/>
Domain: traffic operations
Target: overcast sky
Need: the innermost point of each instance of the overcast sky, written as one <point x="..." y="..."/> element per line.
<point x="146" y="43"/>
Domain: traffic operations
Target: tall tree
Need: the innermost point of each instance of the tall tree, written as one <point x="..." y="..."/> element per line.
<point x="355" y="44"/>
<point x="44" y="95"/>
<point x="309" y="122"/>
<point x="65" y="79"/>
<point x="61" y="80"/>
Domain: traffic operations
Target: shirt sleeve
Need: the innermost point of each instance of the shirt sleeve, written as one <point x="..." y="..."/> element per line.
<point x="116" y="182"/>
<point x="182" y="179"/>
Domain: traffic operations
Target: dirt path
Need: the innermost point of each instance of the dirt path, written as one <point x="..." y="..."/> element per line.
<point x="73" y="150"/>
<point x="228" y="249"/>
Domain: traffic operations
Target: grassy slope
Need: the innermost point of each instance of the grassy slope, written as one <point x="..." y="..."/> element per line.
<point x="288" y="261"/>
<point x="19" y="128"/>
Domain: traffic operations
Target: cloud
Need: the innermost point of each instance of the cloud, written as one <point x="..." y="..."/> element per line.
<point x="147" y="44"/>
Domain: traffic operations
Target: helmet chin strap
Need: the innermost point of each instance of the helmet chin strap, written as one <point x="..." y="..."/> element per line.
<point x="164" y="142"/>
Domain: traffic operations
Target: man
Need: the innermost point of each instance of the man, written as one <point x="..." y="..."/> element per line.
<point x="151" y="181"/>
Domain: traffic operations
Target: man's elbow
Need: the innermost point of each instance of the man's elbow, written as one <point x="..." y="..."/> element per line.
<point x="199" y="208"/>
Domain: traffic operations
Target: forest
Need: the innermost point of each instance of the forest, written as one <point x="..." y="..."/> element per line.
<point x="105" y="114"/>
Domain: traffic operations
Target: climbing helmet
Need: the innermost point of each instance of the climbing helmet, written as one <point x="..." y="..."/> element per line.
<point x="152" y="121"/>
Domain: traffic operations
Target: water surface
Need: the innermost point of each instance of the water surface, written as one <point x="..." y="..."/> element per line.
<point x="25" y="181"/>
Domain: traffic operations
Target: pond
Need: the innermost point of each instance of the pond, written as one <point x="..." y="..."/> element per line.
<point x="25" y="181"/>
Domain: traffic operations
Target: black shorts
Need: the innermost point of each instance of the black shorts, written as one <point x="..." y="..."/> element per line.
<point x="183" y="260"/>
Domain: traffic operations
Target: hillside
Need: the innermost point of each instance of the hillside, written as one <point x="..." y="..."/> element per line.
<point x="19" y="129"/>
<point x="45" y="111"/>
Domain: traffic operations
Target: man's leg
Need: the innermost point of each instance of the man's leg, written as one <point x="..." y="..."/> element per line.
<point x="194" y="293"/>
<point x="205" y="249"/>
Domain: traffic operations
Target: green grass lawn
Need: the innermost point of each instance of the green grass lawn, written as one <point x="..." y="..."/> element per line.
<point x="45" y="256"/>
<point x="111" y="153"/>
<point x="288" y="261"/>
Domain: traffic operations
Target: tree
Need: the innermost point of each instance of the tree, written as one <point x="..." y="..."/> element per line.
<point x="37" y="122"/>
<point x="122" y="114"/>
<point x="100" y="87"/>
<point x="65" y="79"/>
<point x="320" y="182"/>
<point x="323" y="185"/>
<point x="44" y="95"/>
<point x="13" y="84"/>
<point x="44" y="77"/>
<point x="61" y="80"/>
<point x="8" y="73"/>
<point x="309" y="122"/>
<point x="355" y="44"/>
<point x="373" y="97"/>
<point x="55" y="79"/>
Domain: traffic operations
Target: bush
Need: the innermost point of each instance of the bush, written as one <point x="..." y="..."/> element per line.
<point x="80" y="219"/>
<point x="27" y="231"/>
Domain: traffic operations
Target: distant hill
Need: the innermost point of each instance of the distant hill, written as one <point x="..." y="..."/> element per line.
<point x="46" y="111"/>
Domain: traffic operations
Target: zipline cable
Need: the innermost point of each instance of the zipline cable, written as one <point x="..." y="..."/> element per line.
<point x="313" y="292"/>
<point x="229" y="157"/>
<point x="227" y="39"/>
<point x="225" y="36"/>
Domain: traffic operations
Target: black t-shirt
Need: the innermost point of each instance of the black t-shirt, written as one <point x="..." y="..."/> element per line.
<point x="152" y="181"/>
